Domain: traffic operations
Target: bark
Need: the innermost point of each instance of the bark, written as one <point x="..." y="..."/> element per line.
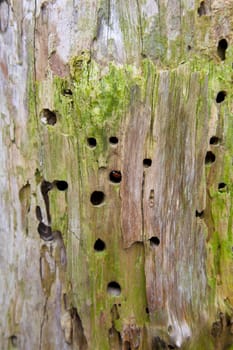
<point x="116" y="174"/>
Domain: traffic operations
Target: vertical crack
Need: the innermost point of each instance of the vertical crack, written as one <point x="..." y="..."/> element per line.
<point x="140" y="25"/>
<point x="42" y="323"/>
<point x="152" y="105"/>
<point x="40" y="148"/>
<point x="142" y="206"/>
<point x="109" y="17"/>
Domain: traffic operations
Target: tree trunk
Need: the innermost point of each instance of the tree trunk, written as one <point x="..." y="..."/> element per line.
<point x="116" y="174"/>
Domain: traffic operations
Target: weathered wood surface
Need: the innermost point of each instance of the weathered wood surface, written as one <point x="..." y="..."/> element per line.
<point x="149" y="73"/>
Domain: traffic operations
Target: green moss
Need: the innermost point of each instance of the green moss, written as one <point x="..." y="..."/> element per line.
<point x="100" y="100"/>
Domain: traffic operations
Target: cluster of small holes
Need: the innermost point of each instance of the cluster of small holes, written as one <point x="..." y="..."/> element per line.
<point x="97" y="198"/>
<point x="92" y="143"/>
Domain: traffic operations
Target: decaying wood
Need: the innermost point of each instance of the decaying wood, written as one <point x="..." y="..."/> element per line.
<point x="116" y="174"/>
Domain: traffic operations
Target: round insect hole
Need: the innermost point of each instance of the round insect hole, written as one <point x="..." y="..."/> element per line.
<point x="61" y="185"/>
<point x="222" y="187"/>
<point x="199" y="214"/>
<point x="147" y="162"/>
<point x="48" y="117"/>
<point x="154" y="241"/>
<point x="113" y="140"/>
<point x="91" y="141"/>
<point x="114" y="289"/>
<point x="97" y="197"/>
<point x="222" y="47"/>
<point x="115" y="176"/>
<point x="99" y="245"/>
<point x="214" y="140"/>
<point x="209" y="158"/>
<point x="221" y="96"/>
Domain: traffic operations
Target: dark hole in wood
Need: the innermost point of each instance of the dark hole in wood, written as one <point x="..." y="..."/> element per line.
<point x="222" y="47"/>
<point x="113" y="140"/>
<point x="202" y="9"/>
<point x="147" y="310"/>
<point x="158" y="343"/>
<point x="114" y="289"/>
<point x="169" y="328"/>
<point x="214" y="140"/>
<point x="61" y="185"/>
<point x="127" y="345"/>
<point x="221" y="96"/>
<point x="45" y="187"/>
<point x="222" y="187"/>
<point x="97" y="197"/>
<point x="45" y="232"/>
<point x="48" y="117"/>
<point x="99" y="245"/>
<point x="216" y="329"/>
<point x="65" y="300"/>
<point x="189" y="47"/>
<point x="200" y="214"/>
<point x="38" y="214"/>
<point x="114" y="338"/>
<point x="78" y="335"/>
<point x="154" y="241"/>
<point x="115" y="176"/>
<point x="147" y="162"/>
<point x="209" y="158"/>
<point x="91" y="142"/>
<point x="67" y="92"/>
<point x="171" y="346"/>
<point x="14" y="340"/>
